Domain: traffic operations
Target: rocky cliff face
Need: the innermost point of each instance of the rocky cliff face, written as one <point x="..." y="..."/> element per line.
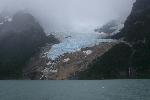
<point x="137" y="33"/>
<point x="20" y="37"/>
<point x="131" y="58"/>
<point x="137" y="25"/>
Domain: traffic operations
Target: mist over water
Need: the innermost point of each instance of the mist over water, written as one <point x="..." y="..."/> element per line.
<point x="71" y="15"/>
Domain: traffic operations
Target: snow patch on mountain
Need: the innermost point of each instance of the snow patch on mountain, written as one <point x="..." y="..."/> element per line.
<point x="117" y="28"/>
<point x="66" y="60"/>
<point x="111" y="28"/>
<point x="5" y="19"/>
<point x="73" y="42"/>
<point x="88" y="52"/>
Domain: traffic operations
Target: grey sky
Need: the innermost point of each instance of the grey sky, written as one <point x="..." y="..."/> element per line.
<point x="71" y="15"/>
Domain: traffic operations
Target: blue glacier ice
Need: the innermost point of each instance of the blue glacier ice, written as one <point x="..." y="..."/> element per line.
<point x="74" y="43"/>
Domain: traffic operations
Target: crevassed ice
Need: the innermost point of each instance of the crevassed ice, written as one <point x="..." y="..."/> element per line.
<point x="75" y="43"/>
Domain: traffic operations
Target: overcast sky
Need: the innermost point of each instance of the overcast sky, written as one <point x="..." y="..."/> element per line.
<point x="71" y="15"/>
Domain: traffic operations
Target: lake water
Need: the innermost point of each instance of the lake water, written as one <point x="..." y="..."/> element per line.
<point x="75" y="90"/>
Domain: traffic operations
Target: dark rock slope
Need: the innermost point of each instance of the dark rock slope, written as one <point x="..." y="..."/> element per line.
<point x="130" y="59"/>
<point x="20" y="37"/>
<point x="137" y="24"/>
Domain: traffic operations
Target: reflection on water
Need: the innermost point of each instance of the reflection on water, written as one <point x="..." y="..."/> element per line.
<point x="75" y="90"/>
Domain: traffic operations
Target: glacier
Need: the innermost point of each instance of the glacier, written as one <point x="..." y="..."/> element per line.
<point x="72" y="42"/>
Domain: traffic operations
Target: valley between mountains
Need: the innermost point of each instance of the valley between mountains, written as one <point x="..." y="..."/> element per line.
<point x="67" y="66"/>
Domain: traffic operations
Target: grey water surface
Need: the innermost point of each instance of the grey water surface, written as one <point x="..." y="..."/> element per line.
<point x="75" y="90"/>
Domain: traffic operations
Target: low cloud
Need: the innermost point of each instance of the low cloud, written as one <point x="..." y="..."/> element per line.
<point x="71" y="15"/>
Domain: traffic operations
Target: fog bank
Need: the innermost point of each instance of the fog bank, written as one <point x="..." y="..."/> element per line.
<point x="71" y="15"/>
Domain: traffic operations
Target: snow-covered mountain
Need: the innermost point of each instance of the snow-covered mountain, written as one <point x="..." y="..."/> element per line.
<point x="111" y="28"/>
